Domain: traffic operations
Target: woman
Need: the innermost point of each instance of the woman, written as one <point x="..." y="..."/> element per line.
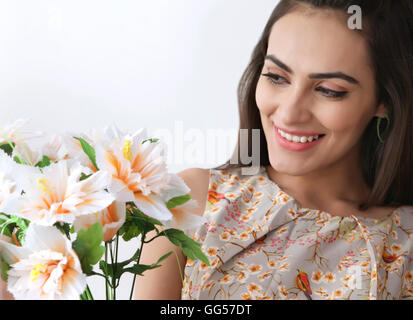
<point x="329" y="214"/>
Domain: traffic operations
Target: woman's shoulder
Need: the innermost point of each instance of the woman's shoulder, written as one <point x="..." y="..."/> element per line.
<point x="197" y="180"/>
<point x="404" y="217"/>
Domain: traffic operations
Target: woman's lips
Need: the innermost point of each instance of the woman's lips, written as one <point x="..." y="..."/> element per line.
<point x="298" y="133"/>
<point x="296" y="146"/>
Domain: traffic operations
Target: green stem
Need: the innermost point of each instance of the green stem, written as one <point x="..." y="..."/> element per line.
<point x="89" y="293"/>
<point x="139" y="258"/>
<point x="179" y="265"/>
<point x="106" y="276"/>
<point x="116" y="259"/>
<point x="112" y="260"/>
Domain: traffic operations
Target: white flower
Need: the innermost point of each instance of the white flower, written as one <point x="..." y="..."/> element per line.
<point x="16" y="133"/>
<point x="11" y="174"/>
<point x="46" y="267"/>
<point x="111" y="219"/>
<point x="56" y="194"/>
<point x="183" y="218"/>
<point x="138" y="171"/>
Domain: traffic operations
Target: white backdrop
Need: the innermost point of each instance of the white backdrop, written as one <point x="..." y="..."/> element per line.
<point x="170" y="66"/>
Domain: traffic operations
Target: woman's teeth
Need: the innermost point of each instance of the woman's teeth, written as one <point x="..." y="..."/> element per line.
<point x="298" y="139"/>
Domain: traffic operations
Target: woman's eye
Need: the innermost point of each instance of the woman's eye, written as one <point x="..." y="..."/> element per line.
<point x="331" y="93"/>
<point x="275" y="78"/>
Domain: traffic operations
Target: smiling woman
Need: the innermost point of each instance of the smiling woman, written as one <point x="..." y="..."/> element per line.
<point x="330" y="213"/>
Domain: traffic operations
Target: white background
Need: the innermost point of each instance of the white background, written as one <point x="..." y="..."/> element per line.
<point x="162" y="64"/>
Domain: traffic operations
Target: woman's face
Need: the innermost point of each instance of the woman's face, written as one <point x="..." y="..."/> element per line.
<point x="317" y="79"/>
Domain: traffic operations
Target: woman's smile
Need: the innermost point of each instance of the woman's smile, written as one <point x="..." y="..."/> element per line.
<point x="297" y="142"/>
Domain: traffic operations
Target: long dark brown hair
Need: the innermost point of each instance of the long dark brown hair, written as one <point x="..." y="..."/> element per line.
<point x="388" y="29"/>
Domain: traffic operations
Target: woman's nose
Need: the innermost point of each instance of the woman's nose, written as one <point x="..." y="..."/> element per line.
<point x="293" y="107"/>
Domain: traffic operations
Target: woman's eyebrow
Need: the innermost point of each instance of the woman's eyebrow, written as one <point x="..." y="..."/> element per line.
<point x="328" y="75"/>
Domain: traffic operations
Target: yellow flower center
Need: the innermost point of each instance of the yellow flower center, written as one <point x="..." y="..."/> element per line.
<point x="127" y="153"/>
<point x="43" y="184"/>
<point x="37" y="268"/>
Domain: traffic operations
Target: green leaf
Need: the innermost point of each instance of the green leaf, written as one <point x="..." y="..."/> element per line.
<point x="136" y="223"/>
<point x="88" y="247"/>
<point x="84" y="176"/>
<point x="139" y="269"/>
<point x="10" y="224"/>
<point x="64" y="228"/>
<point x="6" y="147"/>
<point x="44" y="162"/>
<point x="190" y="247"/>
<point x="18" y="160"/>
<point x="89" y="150"/>
<point x="6" y="225"/>
<point x="177" y="201"/>
<point x="152" y="140"/>
<point x="5" y="267"/>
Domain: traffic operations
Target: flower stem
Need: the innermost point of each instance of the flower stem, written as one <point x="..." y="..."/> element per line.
<point x="106" y="275"/>
<point x="89" y="293"/>
<point x="139" y="258"/>
<point x="179" y="266"/>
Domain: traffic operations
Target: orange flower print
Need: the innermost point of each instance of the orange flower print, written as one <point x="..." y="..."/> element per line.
<point x="396" y="247"/>
<point x="250" y="210"/>
<point x="338" y="293"/>
<point x="240" y="264"/>
<point x="226" y="279"/>
<point x="283" y="267"/>
<point x="224" y="236"/>
<point x="215" y="209"/>
<point x="283" y="291"/>
<point x="242" y="276"/>
<point x="282" y="230"/>
<point x="272" y="263"/>
<point x="258" y="195"/>
<point x="365" y="264"/>
<point x="244" y="236"/>
<point x="321" y="291"/>
<point x="292" y="213"/>
<point x="254" y="288"/>
<point x="203" y="266"/>
<point x="231" y="232"/>
<point x="396" y="221"/>
<point x="254" y="268"/>
<point x="246" y="200"/>
<point x="204" y="277"/>
<point x="285" y="199"/>
<point x="214" y="262"/>
<point x="246" y="296"/>
<point x="245" y="217"/>
<point x="394" y="235"/>
<point x="211" y="252"/>
<point x="329" y="278"/>
<point x="265" y="275"/>
<point x="230" y="196"/>
<point x="317" y="276"/>
<point x="409" y="277"/>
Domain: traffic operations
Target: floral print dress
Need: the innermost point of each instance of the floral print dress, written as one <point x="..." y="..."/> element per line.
<point x="262" y="245"/>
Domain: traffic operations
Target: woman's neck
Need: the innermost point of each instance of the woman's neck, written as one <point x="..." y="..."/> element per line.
<point x="329" y="189"/>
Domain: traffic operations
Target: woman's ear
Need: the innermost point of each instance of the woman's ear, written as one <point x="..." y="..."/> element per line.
<point x="381" y="111"/>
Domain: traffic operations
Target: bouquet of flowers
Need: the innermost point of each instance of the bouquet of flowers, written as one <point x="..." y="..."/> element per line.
<point x="65" y="204"/>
